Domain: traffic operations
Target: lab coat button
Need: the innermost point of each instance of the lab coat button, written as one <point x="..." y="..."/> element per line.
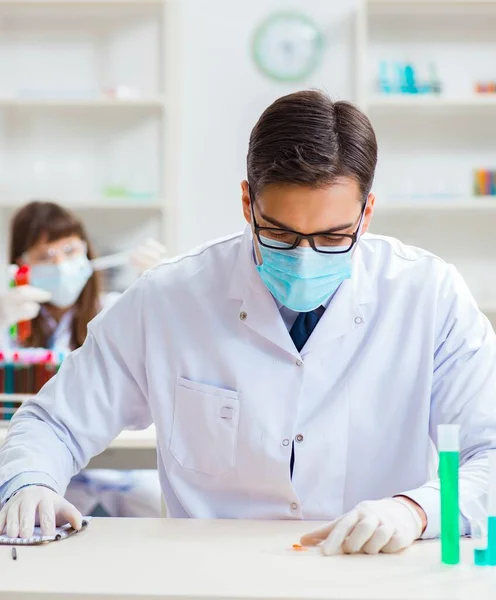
<point x="242" y="316"/>
<point x="285" y="442"/>
<point x="299" y="363"/>
<point x="299" y="438"/>
<point x="294" y="506"/>
<point x="358" y="320"/>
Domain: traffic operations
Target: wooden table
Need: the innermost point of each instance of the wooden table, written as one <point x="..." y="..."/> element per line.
<point x="144" y="559"/>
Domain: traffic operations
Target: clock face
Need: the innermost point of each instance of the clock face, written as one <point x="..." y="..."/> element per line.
<point x="287" y="46"/>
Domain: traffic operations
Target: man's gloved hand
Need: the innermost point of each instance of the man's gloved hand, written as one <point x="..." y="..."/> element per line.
<point x="36" y="504"/>
<point x="21" y="304"/>
<point x="388" y="525"/>
<point x="148" y="255"/>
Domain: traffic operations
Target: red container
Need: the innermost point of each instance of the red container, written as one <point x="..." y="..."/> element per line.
<point x="24" y="327"/>
<point x="2" y="381"/>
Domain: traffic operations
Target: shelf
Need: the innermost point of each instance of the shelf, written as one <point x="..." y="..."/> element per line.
<point x="153" y="102"/>
<point x="80" y="2"/>
<point x="482" y="204"/>
<point x="104" y="205"/>
<point x="155" y="206"/>
<point x="15" y="397"/>
<point x="119" y="206"/>
<point x="409" y="101"/>
<point x="423" y="3"/>
<point x="426" y="7"/>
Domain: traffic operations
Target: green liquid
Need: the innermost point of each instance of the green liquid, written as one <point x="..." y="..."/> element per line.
<point x="491" y="541"/>
<point x="450" y="510"/>
<point x="480" y="557"/>
<point x="13" y="328"/>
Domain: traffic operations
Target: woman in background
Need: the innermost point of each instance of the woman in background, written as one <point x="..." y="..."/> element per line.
<point x="53" y="242"/>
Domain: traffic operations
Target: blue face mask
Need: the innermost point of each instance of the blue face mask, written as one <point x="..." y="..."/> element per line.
<point x="64" y="281"/>
<point x="301" y="278"/>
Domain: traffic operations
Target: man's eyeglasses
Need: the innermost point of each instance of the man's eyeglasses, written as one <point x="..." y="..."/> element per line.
<point x="285" y="239"/>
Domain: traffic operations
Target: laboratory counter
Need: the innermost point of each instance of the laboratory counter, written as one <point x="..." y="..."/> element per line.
<point x="129" y="450"/>
<point x="144" y="559"/>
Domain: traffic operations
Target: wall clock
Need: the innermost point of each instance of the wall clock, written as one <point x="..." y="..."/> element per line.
<point x="288" y="46"/>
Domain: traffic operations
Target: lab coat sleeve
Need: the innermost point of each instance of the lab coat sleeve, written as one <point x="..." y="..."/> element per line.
<point x="24" y="480"/>
<point x="100" y="390"/>
<point x="463" y="392"/>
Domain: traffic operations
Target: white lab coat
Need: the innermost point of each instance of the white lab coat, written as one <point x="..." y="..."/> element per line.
<point x="198" y="346"/>
<point x="119" y="493"/>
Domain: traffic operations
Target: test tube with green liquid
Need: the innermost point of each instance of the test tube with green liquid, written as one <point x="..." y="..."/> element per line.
<point x="491" y="512"/>
<point x="449" y="459"/>
<point x="485" y="554"/>
<point x="13" y="328"/>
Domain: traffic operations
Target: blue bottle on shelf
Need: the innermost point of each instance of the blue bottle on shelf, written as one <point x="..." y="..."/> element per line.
<point x="384" y="81"/>
<point x="409" y="79"/>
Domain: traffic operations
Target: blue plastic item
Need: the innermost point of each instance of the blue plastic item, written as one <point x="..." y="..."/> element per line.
<point x="384" y="81"/>
<point x="411" y="87"/>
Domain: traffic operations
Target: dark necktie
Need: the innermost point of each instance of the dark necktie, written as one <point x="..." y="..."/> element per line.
<point x="300" y="332"/>
<point x="303" y="326"/>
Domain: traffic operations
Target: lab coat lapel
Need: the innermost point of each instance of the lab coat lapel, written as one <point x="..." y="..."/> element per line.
<point x="258" y="310"/>
<point x="345" y="312"/>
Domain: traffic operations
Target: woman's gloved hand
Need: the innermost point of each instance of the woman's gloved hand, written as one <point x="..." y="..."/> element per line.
<point x="21" y="304"/>
<point x="148" y="255"/>
<point x="388" y="525"/>
<point x="33" y="505"/>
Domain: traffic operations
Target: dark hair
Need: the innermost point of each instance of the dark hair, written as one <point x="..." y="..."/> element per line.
<point x="32" y="223"/>
<point x="307" y="139"/>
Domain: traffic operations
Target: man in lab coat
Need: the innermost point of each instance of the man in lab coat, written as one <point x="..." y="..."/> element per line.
<point x="296" y="371"/>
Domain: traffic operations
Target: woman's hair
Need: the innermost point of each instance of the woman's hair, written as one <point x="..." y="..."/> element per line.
<point x="50" y="222"/>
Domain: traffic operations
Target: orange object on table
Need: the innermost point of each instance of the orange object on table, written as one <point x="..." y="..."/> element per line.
<point x="24" y="327"/>
<point x="299" y="548"/>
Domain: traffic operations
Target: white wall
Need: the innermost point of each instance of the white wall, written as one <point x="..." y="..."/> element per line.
<point x="222" y="94"/>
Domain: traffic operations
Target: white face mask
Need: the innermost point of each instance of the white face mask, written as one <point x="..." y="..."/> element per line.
<point x="64" y="281"/>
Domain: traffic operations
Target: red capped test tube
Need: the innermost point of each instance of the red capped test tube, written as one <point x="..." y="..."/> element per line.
<point x="24" y="327"/>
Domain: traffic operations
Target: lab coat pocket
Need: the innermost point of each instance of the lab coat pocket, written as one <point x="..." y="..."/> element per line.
<point x="204" y="428"/>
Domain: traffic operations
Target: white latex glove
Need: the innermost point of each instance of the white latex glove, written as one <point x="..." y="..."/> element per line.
<point x="148" y="255"/>
<point x="37" y="505"/>
<point x="21" y="304"/>
<point x="388" y="525"/>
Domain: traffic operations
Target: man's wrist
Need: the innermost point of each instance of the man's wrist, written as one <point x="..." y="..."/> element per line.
<point x="420" y="511"/>
<point x="26" y="486"/>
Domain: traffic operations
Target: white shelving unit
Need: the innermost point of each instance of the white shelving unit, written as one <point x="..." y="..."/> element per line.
<point x="18" y="398"/>
<point x="143" y="103"/>
<point x="428" y="102"/>
<point x="430" y="145"/>
<point x="478" y="204"/>
<point x="87" y="110"/>
<point x="9" y="403"/>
